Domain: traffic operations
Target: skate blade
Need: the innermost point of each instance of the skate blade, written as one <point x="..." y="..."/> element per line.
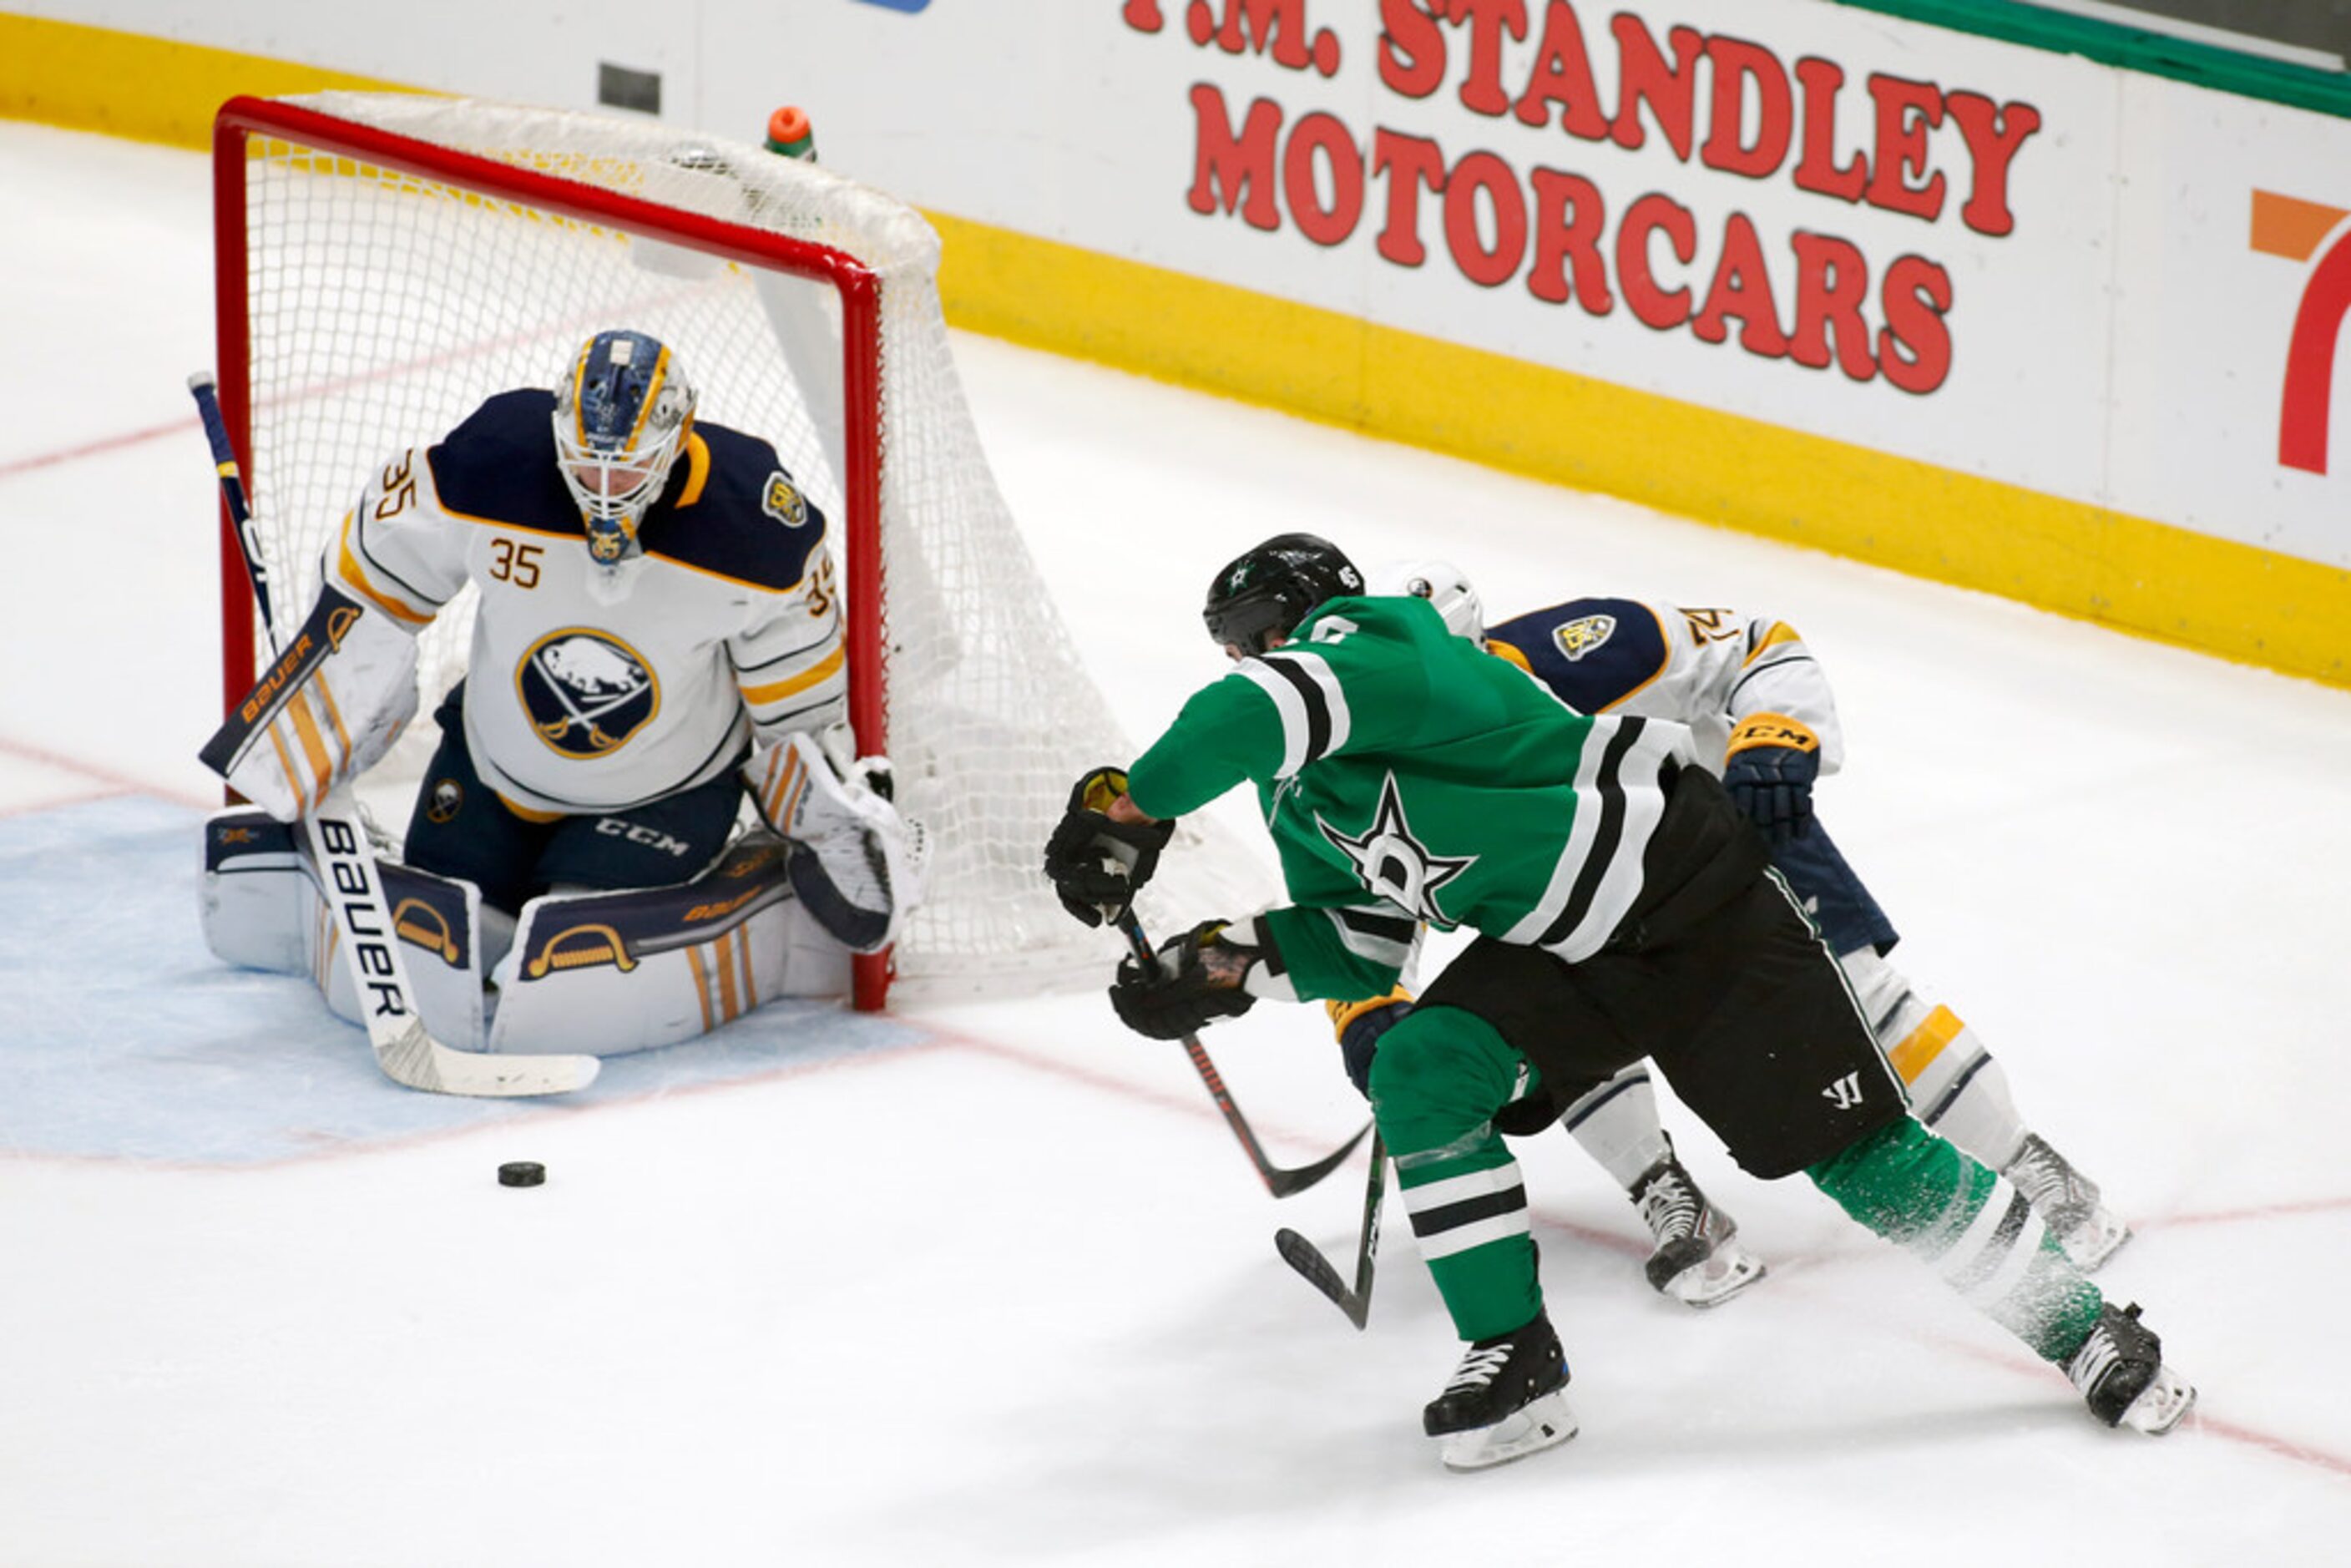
<point x="2161" y="1404"/>
<point x="1540" y="1423"/>
<point x="1729" y="1270"/>
<point x="2096" y="1240"/>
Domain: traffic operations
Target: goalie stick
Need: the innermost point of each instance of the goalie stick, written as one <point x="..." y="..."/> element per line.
<point x="350" y="882"/>
<point x="1317" y="1271"/>
<point x="1279" y="1182"/>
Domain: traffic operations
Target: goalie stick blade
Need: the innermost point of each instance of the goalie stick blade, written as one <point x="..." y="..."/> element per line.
<point x="1286" y="1184"/>
<point x="415" y="1060"/>
<point x="1316" y="1270"/>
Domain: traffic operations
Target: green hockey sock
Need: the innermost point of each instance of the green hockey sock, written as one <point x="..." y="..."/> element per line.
<point x="1958" y="1217"/>
<point x="1439" y="1077"/>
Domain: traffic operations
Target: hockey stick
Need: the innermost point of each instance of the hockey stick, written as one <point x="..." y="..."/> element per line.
<point x="1307" y="1258"/>
<point x="349" y="881"/>
<point x="1279" y="1182"/>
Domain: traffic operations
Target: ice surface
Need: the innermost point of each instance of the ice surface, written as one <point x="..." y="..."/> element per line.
<point x="992" y="1285"/>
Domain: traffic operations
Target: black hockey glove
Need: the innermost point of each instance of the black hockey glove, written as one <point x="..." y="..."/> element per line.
<point x="1359" y="1026"/>
<point x="1770" y="771"/>
<point x="1097" y="865"/>
<point x="1196" y="980"/>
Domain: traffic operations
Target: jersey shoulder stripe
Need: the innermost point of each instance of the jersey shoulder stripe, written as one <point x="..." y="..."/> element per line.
<point x="1307" y="697"/>
<point x="1607" y="833"/>
<point x="1593" y="654"/>
<point x="1597" y="876"/>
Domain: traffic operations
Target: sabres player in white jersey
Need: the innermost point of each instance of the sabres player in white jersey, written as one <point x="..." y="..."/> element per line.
<point x="658" y="625"/>
<point x="1763" y="717"/>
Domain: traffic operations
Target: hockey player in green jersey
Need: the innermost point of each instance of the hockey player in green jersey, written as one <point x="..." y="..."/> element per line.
<point x="1623" y="907"/>
<point x="1761" y="710"/>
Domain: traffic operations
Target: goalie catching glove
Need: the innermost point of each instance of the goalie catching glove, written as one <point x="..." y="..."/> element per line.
<point x="1192" y="981"/>
<point x="857" y="865"/>
<point x="326" y="710"/>
<point x="1769" y="770"/>
<point x="1095" y="862"/>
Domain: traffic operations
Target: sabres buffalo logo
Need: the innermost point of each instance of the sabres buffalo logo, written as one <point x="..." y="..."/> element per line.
<point x="448" y="798"/>
<point x="586" y="692"/>
<point x="783" y="501"/>
<point x="1578" y="638"/>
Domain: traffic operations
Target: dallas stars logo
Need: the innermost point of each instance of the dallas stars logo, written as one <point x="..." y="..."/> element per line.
<point x="1394" y="864"/>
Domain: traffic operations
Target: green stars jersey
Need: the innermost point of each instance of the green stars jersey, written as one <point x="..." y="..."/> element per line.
<point x="1407" y="777"/>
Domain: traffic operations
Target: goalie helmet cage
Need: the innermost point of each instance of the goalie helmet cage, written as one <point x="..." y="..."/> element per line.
<point x="384" y="262"/>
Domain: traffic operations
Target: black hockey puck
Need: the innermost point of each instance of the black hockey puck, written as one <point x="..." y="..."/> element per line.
<point x="522" y="1173"/>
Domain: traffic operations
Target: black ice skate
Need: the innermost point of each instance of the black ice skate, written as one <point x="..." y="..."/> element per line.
<point x="1698" y="1259"/>
<point x="2067" y="1202"/>
<point x="2119" y="1370"/>
<point x="1508" y="1398"/>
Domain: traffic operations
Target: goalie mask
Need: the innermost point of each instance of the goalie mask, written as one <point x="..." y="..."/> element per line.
<point x="1267" y="592"/>
<point x="621" y="416"/>
<point x="1444" y="585"/>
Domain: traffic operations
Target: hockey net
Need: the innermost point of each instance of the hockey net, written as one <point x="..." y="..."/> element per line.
<point x="387" y="261"/>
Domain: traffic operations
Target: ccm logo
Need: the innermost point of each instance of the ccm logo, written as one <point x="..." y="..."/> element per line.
<point x="644" y="837"/>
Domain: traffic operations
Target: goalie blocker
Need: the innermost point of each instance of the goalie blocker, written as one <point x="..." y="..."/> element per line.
<point x="327" y="709"/>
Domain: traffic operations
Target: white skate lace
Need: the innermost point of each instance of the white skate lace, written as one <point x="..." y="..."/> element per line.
<point x="1479" y="1367"/>
<point x="1669" y="1207"/>
<point x="2097" y="1357"/>
<point x="2049" y="1181"/>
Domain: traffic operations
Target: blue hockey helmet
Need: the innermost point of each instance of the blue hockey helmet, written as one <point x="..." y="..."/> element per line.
<point x="623" y="415"/>
<point x="1264" y="594"/>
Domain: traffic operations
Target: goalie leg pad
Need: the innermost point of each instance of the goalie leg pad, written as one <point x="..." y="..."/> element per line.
<point x="607" y="973"/>
<point x="261" y="910"/>
<point x="254" y="911"/>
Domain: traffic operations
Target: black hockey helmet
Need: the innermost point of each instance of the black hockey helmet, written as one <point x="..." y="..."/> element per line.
<point x="1262" y="595"/>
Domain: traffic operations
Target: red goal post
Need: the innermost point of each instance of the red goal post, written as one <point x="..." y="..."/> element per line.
<point x="386" y="261"/>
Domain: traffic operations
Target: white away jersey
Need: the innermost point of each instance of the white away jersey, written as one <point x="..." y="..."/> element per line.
<point x="1707" y="669"/>
<point x="579" y="697"/>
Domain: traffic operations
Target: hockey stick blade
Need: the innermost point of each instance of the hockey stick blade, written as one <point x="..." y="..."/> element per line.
<point x="1319" y="1272"/>
<point x="1315" y="1269"/>
<point x="1285" y="1182"/>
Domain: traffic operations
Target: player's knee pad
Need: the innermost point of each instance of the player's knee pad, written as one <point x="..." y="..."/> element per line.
<point x="1439" y="1076"/>
<point x="609" y="972"/>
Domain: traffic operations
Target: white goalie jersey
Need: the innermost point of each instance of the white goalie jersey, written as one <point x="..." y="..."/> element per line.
<point x="595" y="688"/>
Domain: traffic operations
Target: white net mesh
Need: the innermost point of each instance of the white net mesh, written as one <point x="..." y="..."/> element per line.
<point x="383" y="308"/>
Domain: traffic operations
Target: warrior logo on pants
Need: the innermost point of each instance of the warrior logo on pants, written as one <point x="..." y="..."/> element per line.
<point x="586" y="692"/>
